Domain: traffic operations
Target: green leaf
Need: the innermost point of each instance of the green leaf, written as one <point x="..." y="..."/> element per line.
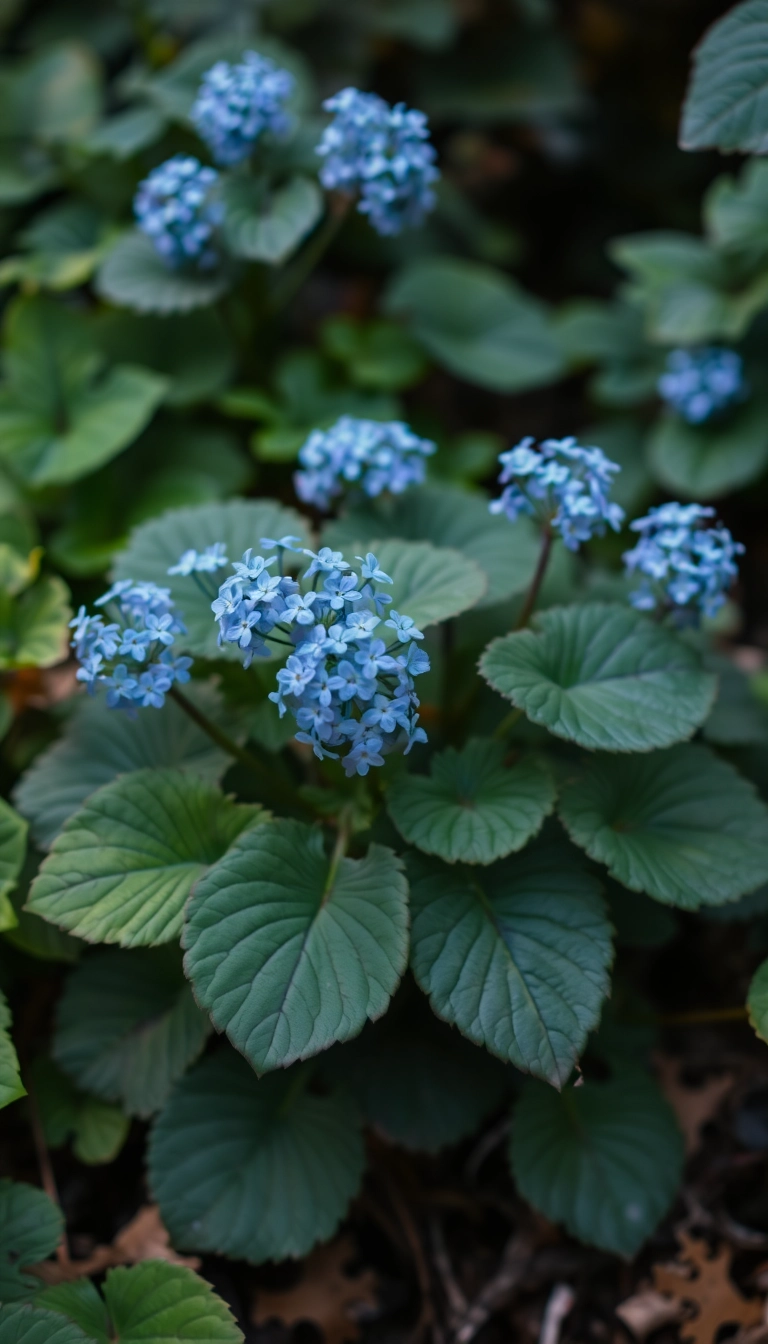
<point x="97" y="745"/>
<point x="757" y="1001"/>
<point x="726" y="106"/>
<point x="478" y="324"/>
<point x="31" y="1228"/>
<point x="421" y="1085"/>
<point x="134" y="275"/>
<point x="258" y="1169"/>
<point x="707" y="461"/>
<point x="27" y="1324"/>
<point x="638" y="920"/>
<point x="62" y="413"/>
<point x="13" y="848"/>
<point x="174" y="88"/>
<point x="35" y="632"/>
<point x="603" y="676"/>
<point x="11" y="1086"/>
<point x="430" y="584"/>
<point x="376" y="354"/>
<point x="516" y="956"/>
<point x="289" y="954"/>
<point x="735" y="209"/>
<point x="263" y="227"/>
<point x="157" y="545"/>
<point x="150" y="1303"/>
<point x="26" y="171"/>
<point x="681" y="825"/>
<point x="126" y="133"/>
<point x="155" y="1302"/>
<point x="447" y="517"/>
<point x="604" y="1159"/>
<point x="81" y="1303"/>
<point x="739" y="718"/>
<point x="471" y="808"/>
<point x="127" y="1027"/>
<point x="100" y="1132"/>
<point x="124" y="865"/>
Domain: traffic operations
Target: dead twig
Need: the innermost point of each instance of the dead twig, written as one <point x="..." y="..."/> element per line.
<point x="457" y="1302"/>
<point x="499" y="1290"/>
<point x="559" y="1304"/>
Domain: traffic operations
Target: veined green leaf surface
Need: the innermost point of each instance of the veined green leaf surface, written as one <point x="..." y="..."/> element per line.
<point x="123" y="866"/>
<point x="603" y="676"/>
<point x="30" y="1230"/>
<point x="289" y="953"/>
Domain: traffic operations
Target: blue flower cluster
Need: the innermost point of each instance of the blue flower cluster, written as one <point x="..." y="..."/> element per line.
<point x="345" y="685"/>
<point x="371" y="454"/>
<point x="236" y="104"/>
<point x="384" y="153"/>
<point x="701" y="384"/>
<point x="684" y="564"/>
<point x="566" y="487"/>
<point x="176" y="209"/>
<point x="131" y="654"/>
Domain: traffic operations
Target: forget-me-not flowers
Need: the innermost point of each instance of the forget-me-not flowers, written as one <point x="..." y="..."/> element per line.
<point x="702" y="384"/>
<point x="382" y="152"/>
<point x="176" y="208"/>
<point x="130" y="653"/>
<point x="683" y="563"/>
<point x="563" y="485"/>
<point x="237" y="104"/>
<point x="348" y="679"/>
<point x="372" y="455"/>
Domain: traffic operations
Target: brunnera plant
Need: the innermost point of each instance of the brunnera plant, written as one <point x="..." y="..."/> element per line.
<point x="364" y="777"/>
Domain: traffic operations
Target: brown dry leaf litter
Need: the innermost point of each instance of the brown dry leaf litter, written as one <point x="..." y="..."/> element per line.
<point x="143" y="1238"/>
<point x="327" y="1295"/>
<point x="700" y="1294"/>
<point x="694" y="1107"/>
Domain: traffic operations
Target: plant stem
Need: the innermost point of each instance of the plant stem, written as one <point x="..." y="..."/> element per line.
<point x="339" y="849"/>
<point x="538" y="578"/>
<point x="703" y="1016"/>
<point x="44" y="1163"/>
<point x="215" y="733"/>
<point x="292" y="279"/>
<point x="509" y="721"/>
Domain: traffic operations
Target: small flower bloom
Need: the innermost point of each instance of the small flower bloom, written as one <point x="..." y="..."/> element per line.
<point x="371" y="455"/>
<point x="382" y="152"/>
<point x="562" y="484"/>
<point x="176" y="209"/>
<point x="238" y="104"/>
<point x="702" y="384"/>
<point x="201" y="562"/>
<point x="683" y="562"/>
<point x="283" y="544"/>
<point x="364" y="754"/>
<point x="324" y="561"/>
<point x="369" y="568"/>
<point x="404" y="627"/>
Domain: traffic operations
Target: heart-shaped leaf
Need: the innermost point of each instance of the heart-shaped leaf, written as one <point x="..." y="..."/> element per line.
<point x="258" y="1169"/>
<point x="134" y="275"/>
<point x="98" y="744"/>
<point x="11" y="1086"/>
<point x="477" y="323"/>
<point x="289" y="953"/>
<point x="31" y="1230"/>
<point x="430" y="584"/>
<point x="471" y="808"/>
<point x="681" y="825"/>
<point x="123" y="866"/>
<point x="516" y="956"/>
<point x="603" y="676"/>
<point x="446" y="516"/>
<point x="704" y="461"/>
<point x="727" y="103"/>
<point x="127" y="1027"/>
<point x="264" y="226"/>
<point x="604" y="1159"/>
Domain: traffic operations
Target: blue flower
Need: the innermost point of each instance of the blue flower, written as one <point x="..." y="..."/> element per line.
<point x="404" y="627"/>
<point x="176" y="208"/>
<point x="685" y="564"/>
<point x="145" y="629"/>
<point x="343" y="685"/>
<point x="201" y="562"/>
<point x="382" y="152"/>
<point x="702" y="384"/>
<point x="282" y="544"/>
<point x="237" y="104"/>
<point x="369" y="455"/>
<point x="565" y="486"/>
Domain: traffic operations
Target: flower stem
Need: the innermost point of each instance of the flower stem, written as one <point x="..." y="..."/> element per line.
<point x="538" y="578"/>
<point x="293" y="277"/>
<point x="340" y="848"/>
<point x="215" y="733"/>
